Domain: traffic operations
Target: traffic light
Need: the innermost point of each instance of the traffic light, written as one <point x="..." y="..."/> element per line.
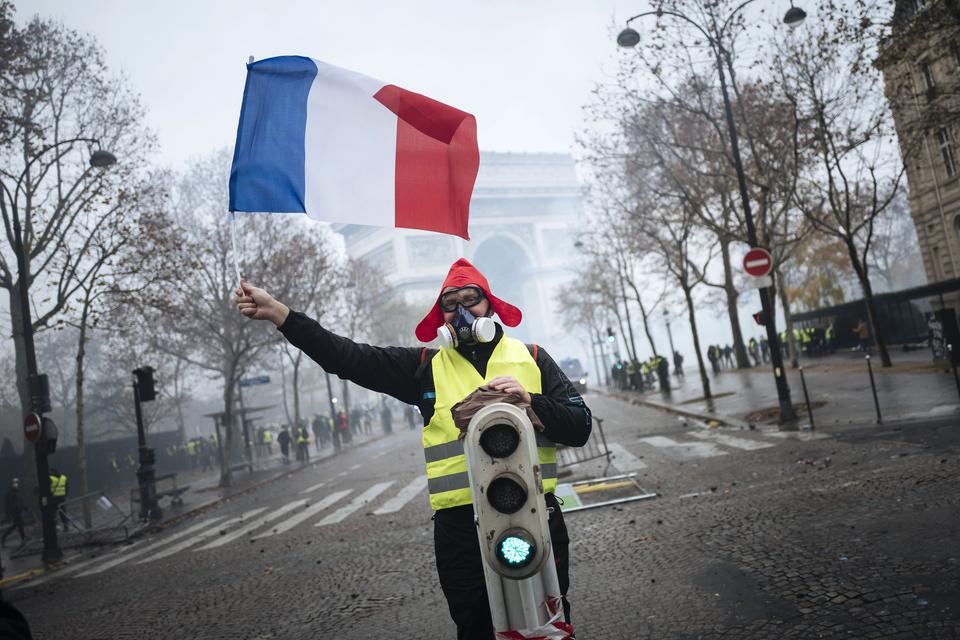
<point x="760" y="318"/>
<point x="145" y="389"/>
<point x="507" y="485"/>
<point x="610" y="336"/>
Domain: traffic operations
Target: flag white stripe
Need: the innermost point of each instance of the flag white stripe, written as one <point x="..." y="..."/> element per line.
<point x="350" y="150"/>
<point x="355" y="504"/>
<point x="307" y="513"/>
<point x="200" y="537"/>
<point x="406" y="494"/>
<point x="253" y="526"/>
<point x="150" y="547"/>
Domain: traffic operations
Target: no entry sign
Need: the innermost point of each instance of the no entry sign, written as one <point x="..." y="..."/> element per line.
<point x="757" y="262"/>
<point x="31" y="427"/>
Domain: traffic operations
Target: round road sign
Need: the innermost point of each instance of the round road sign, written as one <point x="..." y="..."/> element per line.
<point x="757" y="262"/>
<point x="31" y="427"/>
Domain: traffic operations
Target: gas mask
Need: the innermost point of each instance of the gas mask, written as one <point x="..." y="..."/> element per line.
<point x="466" y="329"/>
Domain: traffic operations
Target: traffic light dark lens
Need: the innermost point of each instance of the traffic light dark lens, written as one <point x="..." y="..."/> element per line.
<point x="500" y="440"/>
<point x="506" y="495"/>
<point x="516" y="550"/>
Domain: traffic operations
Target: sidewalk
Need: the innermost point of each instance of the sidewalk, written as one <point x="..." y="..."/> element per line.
<point x="838" y="385"/>
<point x="205" y="492"/>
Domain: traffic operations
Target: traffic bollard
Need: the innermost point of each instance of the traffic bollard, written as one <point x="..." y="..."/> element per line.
<point x="873" y="387"/>
<point x="806" y="398"/>
<point x="953" y="364"/>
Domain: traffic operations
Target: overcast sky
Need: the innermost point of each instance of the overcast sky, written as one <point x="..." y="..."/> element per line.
<point x="523" y="68"/>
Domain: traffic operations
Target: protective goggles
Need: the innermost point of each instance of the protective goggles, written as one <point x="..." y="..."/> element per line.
<point x="466" y="296"/>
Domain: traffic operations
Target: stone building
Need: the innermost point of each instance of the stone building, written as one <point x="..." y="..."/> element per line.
<point x="525" y="215"/>
<point x="920" y="61"/>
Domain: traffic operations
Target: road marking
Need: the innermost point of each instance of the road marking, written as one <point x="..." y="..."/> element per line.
<point x="355" y="504"/>
<point x="306" y="514"/>
<point x="796" y="435"/>
<point x="356" y="466"/>
<point x="253" y="526"/>
<point x="623" y="460"/>
<point x="203" y="535"/>
<point x="685" y="449"/>
<point x="150" y="547"/>
<point x="76" y="567"/>
<point x="342" y="473"/>
<point x="313" y="488"/>
<point x="731" y="441"/>
<point x="404" y="496"/>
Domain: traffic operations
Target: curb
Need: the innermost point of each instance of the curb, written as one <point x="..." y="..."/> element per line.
<point x="687" y="413"/>
<point x="215" y="503"/>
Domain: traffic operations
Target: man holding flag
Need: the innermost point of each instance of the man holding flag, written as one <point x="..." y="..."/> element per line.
<point x="435" y="380"/>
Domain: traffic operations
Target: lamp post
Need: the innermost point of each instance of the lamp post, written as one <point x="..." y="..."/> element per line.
<point x="630" y="38"/>
<point x="36" y="384"/>
<point x="666" y="318"/>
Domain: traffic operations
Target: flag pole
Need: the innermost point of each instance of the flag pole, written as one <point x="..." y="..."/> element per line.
<point x="233" y="239"/>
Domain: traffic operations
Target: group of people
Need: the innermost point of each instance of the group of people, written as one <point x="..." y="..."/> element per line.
<point x="815" y="341"/>
<point x="15" y="507"/>
<point x="632" y="375"/>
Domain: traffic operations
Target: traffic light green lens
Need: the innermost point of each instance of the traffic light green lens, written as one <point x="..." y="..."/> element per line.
<point x="514" y="551"/>
<point x="500" y="440"/>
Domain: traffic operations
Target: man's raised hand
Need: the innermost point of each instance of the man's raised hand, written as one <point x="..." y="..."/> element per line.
<point x="256" y="303"/>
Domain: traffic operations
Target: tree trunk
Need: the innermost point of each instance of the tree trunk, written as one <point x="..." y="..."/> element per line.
<point x="178" y="399"/>
<point x="16" y="325"/>
<point x="79" y="404"/>
<point x="346" y="397"/>
<point x="226" y="477"/>
<point x="283" y="385"/>
<point x="626" y="309"/>
<point x="739" y="348"/>
<point x="296" y="391"/>
<point x="788" y="320"/>
<point x="871" y="306"/>
<point x="643" y="313"/>
<point x="704" y="380"/>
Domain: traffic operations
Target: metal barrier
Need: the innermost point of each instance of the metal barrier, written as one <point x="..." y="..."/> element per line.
<point x="164" y="486"/>
<point x="93" y="516"/>
<point x="569" y="456"/>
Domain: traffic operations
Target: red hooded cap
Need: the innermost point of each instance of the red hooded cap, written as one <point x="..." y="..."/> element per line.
<point x="461" y="274"/>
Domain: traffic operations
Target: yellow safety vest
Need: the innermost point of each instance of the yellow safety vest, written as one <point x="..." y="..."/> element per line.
<point x="455" y="378"/>
<point x="58" y="486"/>
<point x="267" y="437"/>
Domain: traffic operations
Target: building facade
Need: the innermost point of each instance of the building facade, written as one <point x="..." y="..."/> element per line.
<point x="920" y="61"/>
<point x="525" y="215"/>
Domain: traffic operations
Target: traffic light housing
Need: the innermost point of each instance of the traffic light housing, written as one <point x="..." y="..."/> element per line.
<point x="760" y="318"/>
<point x="507" y="485"/>
<point x="610" y="336"/>
<point x="145" y="386"/>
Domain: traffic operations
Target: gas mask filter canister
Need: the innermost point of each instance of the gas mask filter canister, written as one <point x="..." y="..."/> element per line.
<point x="466" y="329"/>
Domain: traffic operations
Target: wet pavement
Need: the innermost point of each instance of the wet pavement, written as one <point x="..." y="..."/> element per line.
<point x="849" y="532"/>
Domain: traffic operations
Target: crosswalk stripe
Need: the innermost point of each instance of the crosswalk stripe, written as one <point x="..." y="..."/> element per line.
<point x="623" y="460"/>
<point x="355" y="504"/>
<point x="306" y="514"/>
<point x="687" y="449"/>
<point x="404" y="496"/>
<point x="76" y="567"/>
<point x="253" y="526"/>
<point x="313" y="488"/>
<point x="731" y="441"/>
<point x="355" y="467"/>
<point x="150" y="547"/>
<point x="796" y="435"/>
<point x="200" y="537"/>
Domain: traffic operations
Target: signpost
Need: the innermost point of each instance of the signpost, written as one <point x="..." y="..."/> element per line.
<point x="32" y="427"/>
<point x="757" y="262"/>
<point x="252" y="382"/>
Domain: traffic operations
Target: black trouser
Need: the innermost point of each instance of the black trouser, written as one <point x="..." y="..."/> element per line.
<point x="16" y="524"/>
<point x="460" y="567"/>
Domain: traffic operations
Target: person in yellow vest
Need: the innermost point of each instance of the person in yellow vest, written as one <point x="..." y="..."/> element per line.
<point x="475" y="352"/>
<point x="58" y="493"/>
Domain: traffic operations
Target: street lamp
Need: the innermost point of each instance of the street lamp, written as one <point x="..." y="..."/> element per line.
<point x="630" y="38"/>
<point x="35" y="382"/>
<point x="666" y="318"/>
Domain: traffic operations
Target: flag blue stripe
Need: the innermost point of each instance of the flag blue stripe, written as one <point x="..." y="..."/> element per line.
<point x="268" y="159"/>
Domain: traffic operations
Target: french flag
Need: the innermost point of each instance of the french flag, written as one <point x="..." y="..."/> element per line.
<point x="343" y="147"/>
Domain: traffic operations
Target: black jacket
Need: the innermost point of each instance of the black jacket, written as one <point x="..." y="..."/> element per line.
<point x="405" y="373"/>
<point x="13" y="503"/>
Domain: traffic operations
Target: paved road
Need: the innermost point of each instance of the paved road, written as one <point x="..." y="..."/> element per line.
<point x="755" y="535"/>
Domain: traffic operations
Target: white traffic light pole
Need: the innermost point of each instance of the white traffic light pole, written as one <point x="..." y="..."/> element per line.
<point x="512" y="520"/>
